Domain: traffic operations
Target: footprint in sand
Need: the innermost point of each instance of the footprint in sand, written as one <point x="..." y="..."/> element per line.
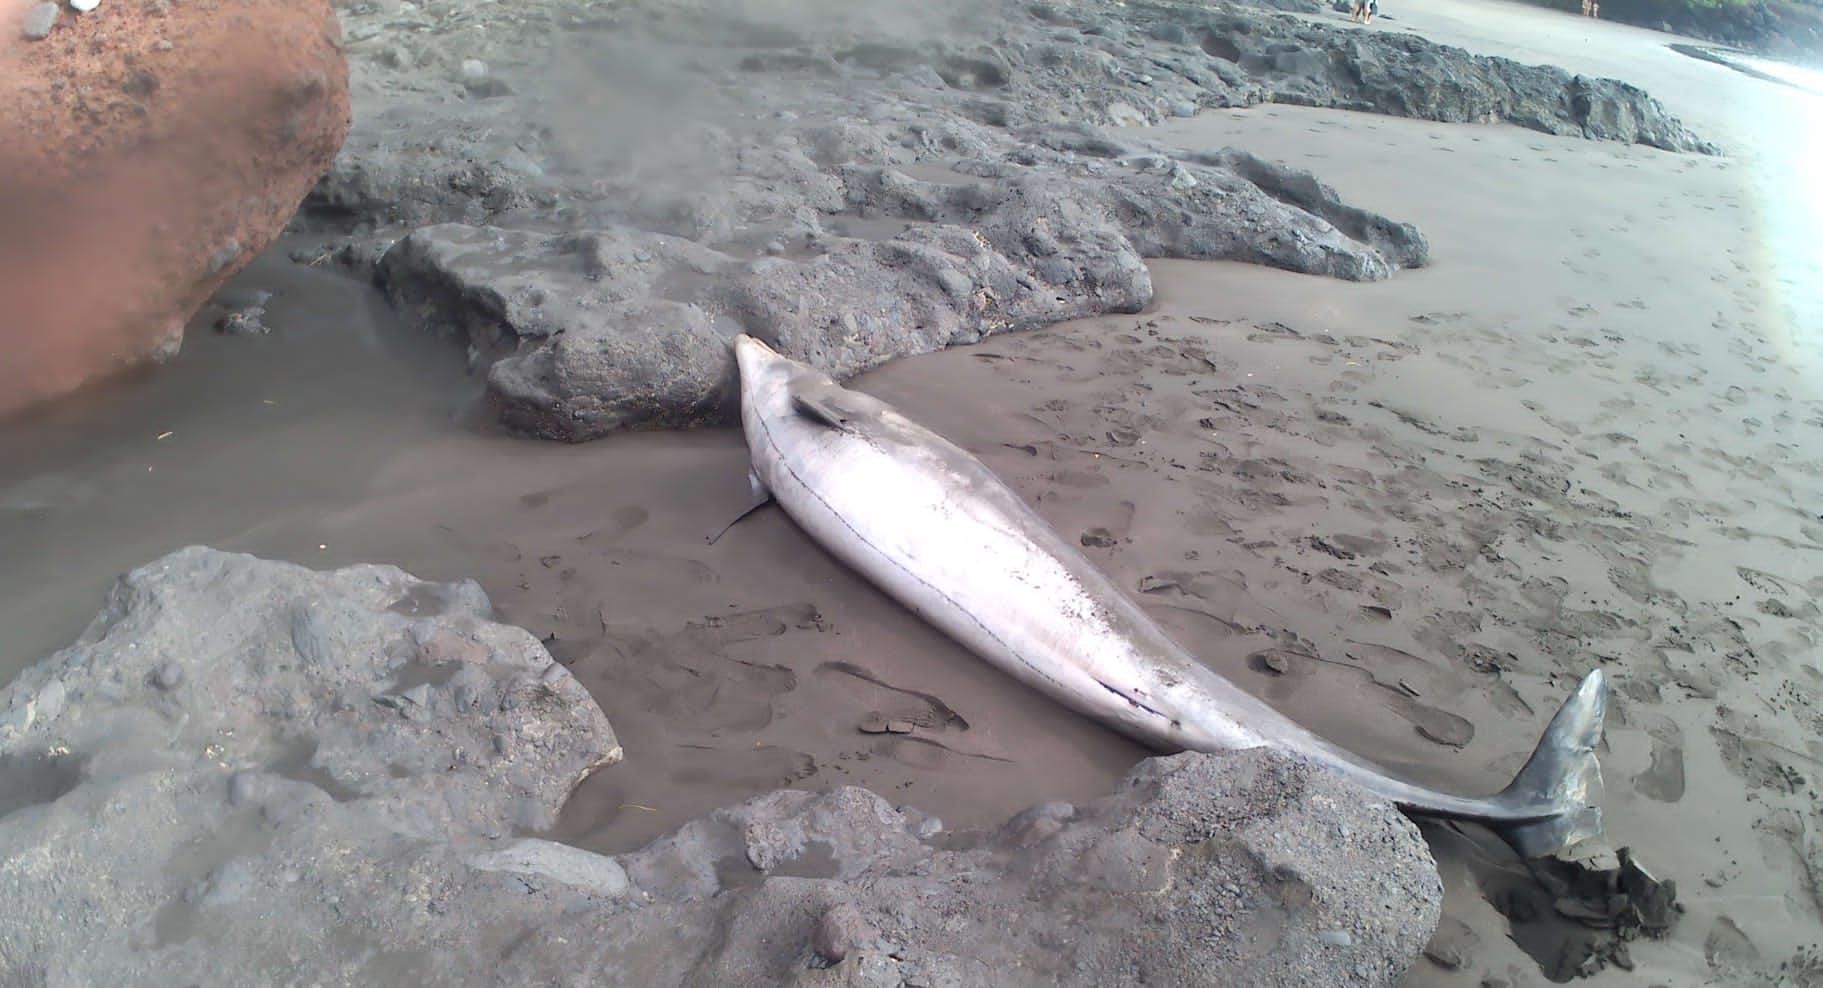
<point x="911" y="727"/>
<point x="738" y="766"/>
<point x="1663" y="779"/>
<point x="697" y="672"/>
<point x="1401" y="678"/>
<point x="622" y="520"/>
<point x="1435" y="318"/>
<point x="1789" y="846"/>
<point x="1728" y="949"/>
<point x="1762" y="581"/>
<point x="1762" y="764"/>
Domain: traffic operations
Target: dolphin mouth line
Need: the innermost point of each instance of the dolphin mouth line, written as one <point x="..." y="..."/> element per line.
<point x="1131" y="699"/>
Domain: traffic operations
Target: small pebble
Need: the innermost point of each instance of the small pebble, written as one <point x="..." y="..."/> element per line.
<point x="168" y="676"/>
<point x="39" y="20"/>
<point x="1098" y="538"/>
<point x="842" y="931"/>
<point x="1445" y="956"/>
<point x="899" y="727"/>
<point x="243" y="788"/>
<point x="224" y="256"/>
<point x="246" y="322"/>
<point x="474" y="68"/>
<point x="84" y="6"/>
<point x="1336" y="938"/>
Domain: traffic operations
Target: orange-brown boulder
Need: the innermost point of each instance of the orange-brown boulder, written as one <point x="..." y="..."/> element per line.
<point x="148" y="150"/>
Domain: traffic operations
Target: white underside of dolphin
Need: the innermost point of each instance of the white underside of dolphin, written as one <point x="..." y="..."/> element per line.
<point x="935" y="528"/>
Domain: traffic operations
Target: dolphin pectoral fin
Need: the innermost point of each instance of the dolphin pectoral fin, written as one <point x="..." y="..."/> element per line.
<point x="757" y="497"/>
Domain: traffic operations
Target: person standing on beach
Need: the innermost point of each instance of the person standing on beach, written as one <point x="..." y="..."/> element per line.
<point x="1364" y="11"/>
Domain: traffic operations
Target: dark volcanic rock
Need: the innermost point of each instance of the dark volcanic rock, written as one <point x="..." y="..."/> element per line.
<point x="1404" y="75"/>
<point x="853" y="183"/>
<point x="1247" y="869"/>
<point x="592" y="332"/>
<point x="247" y="772"/>
<point x="583" y="333"/>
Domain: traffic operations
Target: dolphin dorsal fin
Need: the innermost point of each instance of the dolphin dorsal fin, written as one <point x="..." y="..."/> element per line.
<point x="824" y="405"/>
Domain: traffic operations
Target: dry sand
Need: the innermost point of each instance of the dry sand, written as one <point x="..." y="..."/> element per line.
<point x="1588" y="434"/>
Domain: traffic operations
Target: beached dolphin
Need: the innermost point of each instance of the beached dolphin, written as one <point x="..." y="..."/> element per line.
<point x="937" y="530"/>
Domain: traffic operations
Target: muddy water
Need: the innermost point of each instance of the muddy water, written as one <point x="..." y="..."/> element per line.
<point x="342" y="437"/>
<point x="238" y="435"/>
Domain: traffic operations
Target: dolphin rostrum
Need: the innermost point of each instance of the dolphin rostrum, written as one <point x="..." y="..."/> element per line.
<point x="938" y="531"/>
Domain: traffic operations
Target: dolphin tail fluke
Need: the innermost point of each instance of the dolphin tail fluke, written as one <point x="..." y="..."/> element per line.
<point x="1562" y="773"/>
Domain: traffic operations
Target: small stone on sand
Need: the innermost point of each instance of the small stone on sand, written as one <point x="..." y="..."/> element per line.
<point x="169" y="676"/>
<point x="39" y="21"/>
<point x="1454" y="732"/>
<point x="1099" y="538"/>
<point x="842" y="930"/>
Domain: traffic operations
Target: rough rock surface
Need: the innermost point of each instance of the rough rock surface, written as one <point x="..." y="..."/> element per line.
<point x="590" y="332"/>
<point x="1404" y="75"/>
<point x="152" y="149"/>
<point x="853" y="182"/>
<point x="247" y="773"/>
<point x="1245" y="869"/>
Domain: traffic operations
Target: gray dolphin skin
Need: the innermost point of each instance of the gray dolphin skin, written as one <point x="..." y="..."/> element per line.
<point x="935" y="529"/>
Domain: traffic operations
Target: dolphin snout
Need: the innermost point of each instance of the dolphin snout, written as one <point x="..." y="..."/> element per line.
<point x="753" y="355"/>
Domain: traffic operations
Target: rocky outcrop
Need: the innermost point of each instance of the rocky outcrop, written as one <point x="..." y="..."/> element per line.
<point x="244" y="766"/>
<point x="151" y="150"/>
<point x="1404" y="75"/>
<point x="852" y="183"/>
<point x="1782" y="28"/>
<point x="246" y="772"/>
<point x="641" y="112"/>
<point x="587" y="333"/>
<point x="1245" y="869"/>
